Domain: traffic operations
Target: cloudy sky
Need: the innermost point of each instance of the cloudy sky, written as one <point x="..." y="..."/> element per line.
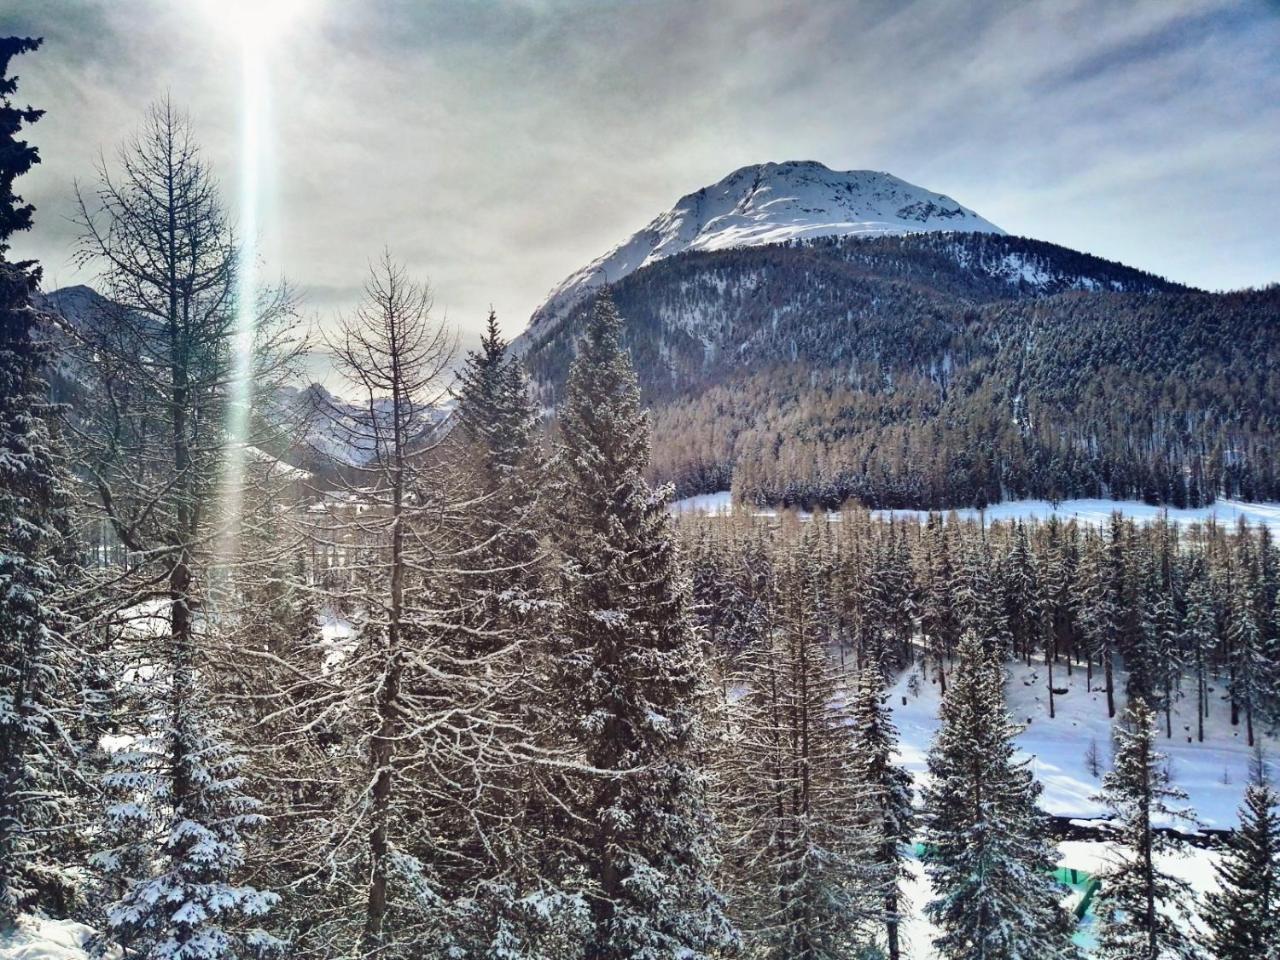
<point x="497" y="145"/>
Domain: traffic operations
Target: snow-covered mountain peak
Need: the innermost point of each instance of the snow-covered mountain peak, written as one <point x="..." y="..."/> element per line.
<point x="768" y="203"/>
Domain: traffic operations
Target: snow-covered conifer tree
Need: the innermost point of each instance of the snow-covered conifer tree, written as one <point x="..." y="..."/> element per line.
<point x="175" y="863"/>
<point x="631" y="675"/>
<point x="981" y="604"/>
<point x="34" y="662"/>
<point x="1200" y="639"/>
<point x="938" y="617"/>
<point x="1243" y="914"/>
<point x="1020" y="585"/>
<point x="888" y="796"/>
<point x="989" y="851"/>
<point x="803" y="828"/>
<point x="1248" y="647"/>
<point x="1102" y="577"/>
<point x="1145" y="912"/>
<point x="513" y="894"/>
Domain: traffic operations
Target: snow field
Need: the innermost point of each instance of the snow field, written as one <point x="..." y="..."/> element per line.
<point x="38" y="938"/>
<point x="1213" y="773"/>
<point x="1193" y="865"/>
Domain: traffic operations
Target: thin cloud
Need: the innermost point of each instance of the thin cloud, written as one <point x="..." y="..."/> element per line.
<point x="497" y="146"/>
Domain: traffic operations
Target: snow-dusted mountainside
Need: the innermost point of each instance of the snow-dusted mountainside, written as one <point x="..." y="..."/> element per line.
<point x="768" y="203"/>
<point x="318" y="430"/>
<point x="333" y="431"/>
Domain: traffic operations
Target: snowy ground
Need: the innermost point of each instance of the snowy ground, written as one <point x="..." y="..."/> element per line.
<point x="1212" y="773"/>
<point x="1057" y="750"/>
<point x="1097" y="512"/>
<point x="37" y="938"/>
<point x="1094" y="512"/>
<point x="1193" y="865"/>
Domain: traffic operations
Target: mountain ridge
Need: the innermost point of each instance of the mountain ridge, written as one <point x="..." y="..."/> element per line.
<point x="762" y="204"/>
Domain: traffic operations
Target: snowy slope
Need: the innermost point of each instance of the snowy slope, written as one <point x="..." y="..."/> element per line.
<point x="39" y="938"/>
<point x="1193" y="865"/>
<point x="1213" y="773"/>
<point x="762" y="204"/>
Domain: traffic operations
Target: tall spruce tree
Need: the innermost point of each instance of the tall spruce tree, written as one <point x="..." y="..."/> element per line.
<point x="630" y="682"/>
<point x="1144" y="911"/>
<point x="1200" y="639"/>
<point x="1243" y="914"/>
<point x="982" y="606"/>
<point x="35" y="668"/>
<point x="1021" y="589"/>
<point x="801" y="821"/>
<point x="1249" y="667"/>
<point x="16" y="156"/>
<point x="938" y="619"/>
<point x="514" y="897"/>
<point x="988" y="846"/>
<point x="1102" y="579"/>
<point x="498" y="424"/>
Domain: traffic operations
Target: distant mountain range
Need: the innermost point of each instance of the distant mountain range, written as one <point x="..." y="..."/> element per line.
<point x="322" y="428"/>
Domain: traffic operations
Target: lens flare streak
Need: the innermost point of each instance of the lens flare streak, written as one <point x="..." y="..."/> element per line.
<point x="253" y="107"/>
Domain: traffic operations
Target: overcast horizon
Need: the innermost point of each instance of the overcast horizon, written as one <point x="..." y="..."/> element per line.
<point x="496" y="147"/>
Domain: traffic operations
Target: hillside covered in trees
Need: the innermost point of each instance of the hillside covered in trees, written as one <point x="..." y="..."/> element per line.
<point x="942" y="370"/>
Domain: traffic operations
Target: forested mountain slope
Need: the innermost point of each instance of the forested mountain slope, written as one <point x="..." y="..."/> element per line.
<point x="943" y="369"/>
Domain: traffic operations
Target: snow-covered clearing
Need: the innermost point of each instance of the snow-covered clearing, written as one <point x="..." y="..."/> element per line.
<point x="1213" y="773"/>
<point x="337" y="637"/>
<point x="1193" y="865"/>
<point x="1094" y="512"/>
<point x="38" y="938"/>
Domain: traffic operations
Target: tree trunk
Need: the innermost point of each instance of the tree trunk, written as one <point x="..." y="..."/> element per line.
<point x="1202" y="706"/>
<point x="1148" y="867"/>
<point x="1109" y="672"/>
<point x="387" y="704"/>
<point x="891" y="924"/>
<point x="1049" y="664"/>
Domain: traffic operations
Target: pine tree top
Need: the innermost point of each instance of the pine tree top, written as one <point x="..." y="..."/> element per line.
<point x="16" y="156"/>
<point x="604" y="433"/>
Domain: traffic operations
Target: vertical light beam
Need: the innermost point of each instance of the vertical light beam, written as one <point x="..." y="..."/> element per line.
<point x="253" y="93"/>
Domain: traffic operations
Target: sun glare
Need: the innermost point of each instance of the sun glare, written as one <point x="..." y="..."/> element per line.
<point x="255" y="22"/>
<point x="259" y="26"/>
